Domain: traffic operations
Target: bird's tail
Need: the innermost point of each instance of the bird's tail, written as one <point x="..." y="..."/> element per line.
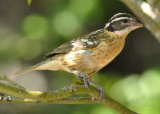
<point x="25" y="71"/>
<point x="49" y="64"/>
<point x="32" y="68"/>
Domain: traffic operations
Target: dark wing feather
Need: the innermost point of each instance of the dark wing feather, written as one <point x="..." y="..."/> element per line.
<point x="88" y="41"/>
<point x="64" y="48"/>
<point x="91" y="40"/>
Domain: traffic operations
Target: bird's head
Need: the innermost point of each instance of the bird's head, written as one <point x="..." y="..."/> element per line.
<point x="122" y="24"/>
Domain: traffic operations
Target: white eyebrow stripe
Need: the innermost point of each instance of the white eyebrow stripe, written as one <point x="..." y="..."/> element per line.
<point x="120" y="18"/>
<point x="107" y="25"/>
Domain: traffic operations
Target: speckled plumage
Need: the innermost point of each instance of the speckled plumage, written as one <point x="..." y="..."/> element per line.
<point x="89" y="53"/>
<point x="86" y="55"/>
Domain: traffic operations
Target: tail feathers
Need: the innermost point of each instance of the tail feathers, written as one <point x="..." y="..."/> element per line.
<point x="32" y="68"/>
<point x="45" y="65"/>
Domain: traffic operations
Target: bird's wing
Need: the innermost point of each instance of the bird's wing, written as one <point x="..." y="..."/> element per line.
<point x="64" y="48"/>
<point x="89" y="41"/>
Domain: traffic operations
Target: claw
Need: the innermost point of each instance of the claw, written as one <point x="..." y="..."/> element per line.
<point x="102" y="95"/>
<point x="84" y="77"/>
<point x="101" y="89"/>
<point x="87" y="82"/>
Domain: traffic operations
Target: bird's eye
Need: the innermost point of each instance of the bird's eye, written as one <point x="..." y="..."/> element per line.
<point x="125" y="21"/>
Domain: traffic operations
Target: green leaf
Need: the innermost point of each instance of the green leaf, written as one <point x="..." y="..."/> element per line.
<point x="35" y="26"/>
<point x="29" y="2"/>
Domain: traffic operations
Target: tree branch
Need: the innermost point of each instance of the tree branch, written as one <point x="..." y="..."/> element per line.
<point x="147" y="13"/>
<point x="61" y="96"/>
<point x="83" y="100"/>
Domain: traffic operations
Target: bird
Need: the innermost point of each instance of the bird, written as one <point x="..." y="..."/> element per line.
<point x="85" y="55"/>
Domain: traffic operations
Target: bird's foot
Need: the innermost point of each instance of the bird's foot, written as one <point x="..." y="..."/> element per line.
<point x="101" y="89"/>
<point x="83" y="77"/>
<point x="87" y="82"/>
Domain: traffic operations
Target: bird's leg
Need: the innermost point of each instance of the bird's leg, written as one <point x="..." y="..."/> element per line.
<point x="81" y="75"/>
<point x="101" y="89"/>
<point x="87" y="82"/>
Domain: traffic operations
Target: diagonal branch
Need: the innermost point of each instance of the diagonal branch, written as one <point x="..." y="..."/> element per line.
<point x="61" y="97"/>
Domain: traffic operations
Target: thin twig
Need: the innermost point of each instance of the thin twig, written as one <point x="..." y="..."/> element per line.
<point x="5" y="78"/>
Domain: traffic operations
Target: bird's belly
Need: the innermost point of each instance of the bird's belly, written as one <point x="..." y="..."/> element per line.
<point x="90" y="61"/>
<point x="102" y="57"/>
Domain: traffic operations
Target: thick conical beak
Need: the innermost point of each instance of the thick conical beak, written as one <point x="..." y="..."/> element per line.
<point x="139" y="25"/>
<point x="136" y="25"/>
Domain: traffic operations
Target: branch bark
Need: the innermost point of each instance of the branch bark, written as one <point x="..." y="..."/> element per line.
<point x="61" y="96"/>
<point x="148" y="14"/>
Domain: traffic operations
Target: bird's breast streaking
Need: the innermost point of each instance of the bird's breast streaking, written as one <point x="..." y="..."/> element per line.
<point x="90" y="60"/>
<point x="86" y="55"/>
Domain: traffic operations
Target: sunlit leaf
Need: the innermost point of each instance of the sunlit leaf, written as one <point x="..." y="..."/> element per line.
<point x="29" y="2"/>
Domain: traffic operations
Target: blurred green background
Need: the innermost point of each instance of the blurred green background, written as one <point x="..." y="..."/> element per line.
<point x="29" y="32"/>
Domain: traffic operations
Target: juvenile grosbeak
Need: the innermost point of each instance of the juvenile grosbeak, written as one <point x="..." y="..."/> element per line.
<point x="86" y="55"/>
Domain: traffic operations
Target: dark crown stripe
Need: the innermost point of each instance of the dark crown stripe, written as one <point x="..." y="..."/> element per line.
<point x="120" y="15"/>
<point x="118" y="21"/>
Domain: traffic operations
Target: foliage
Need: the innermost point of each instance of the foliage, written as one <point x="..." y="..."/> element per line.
<point x="29" y="2"/>
<point x="27" y="33"/>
